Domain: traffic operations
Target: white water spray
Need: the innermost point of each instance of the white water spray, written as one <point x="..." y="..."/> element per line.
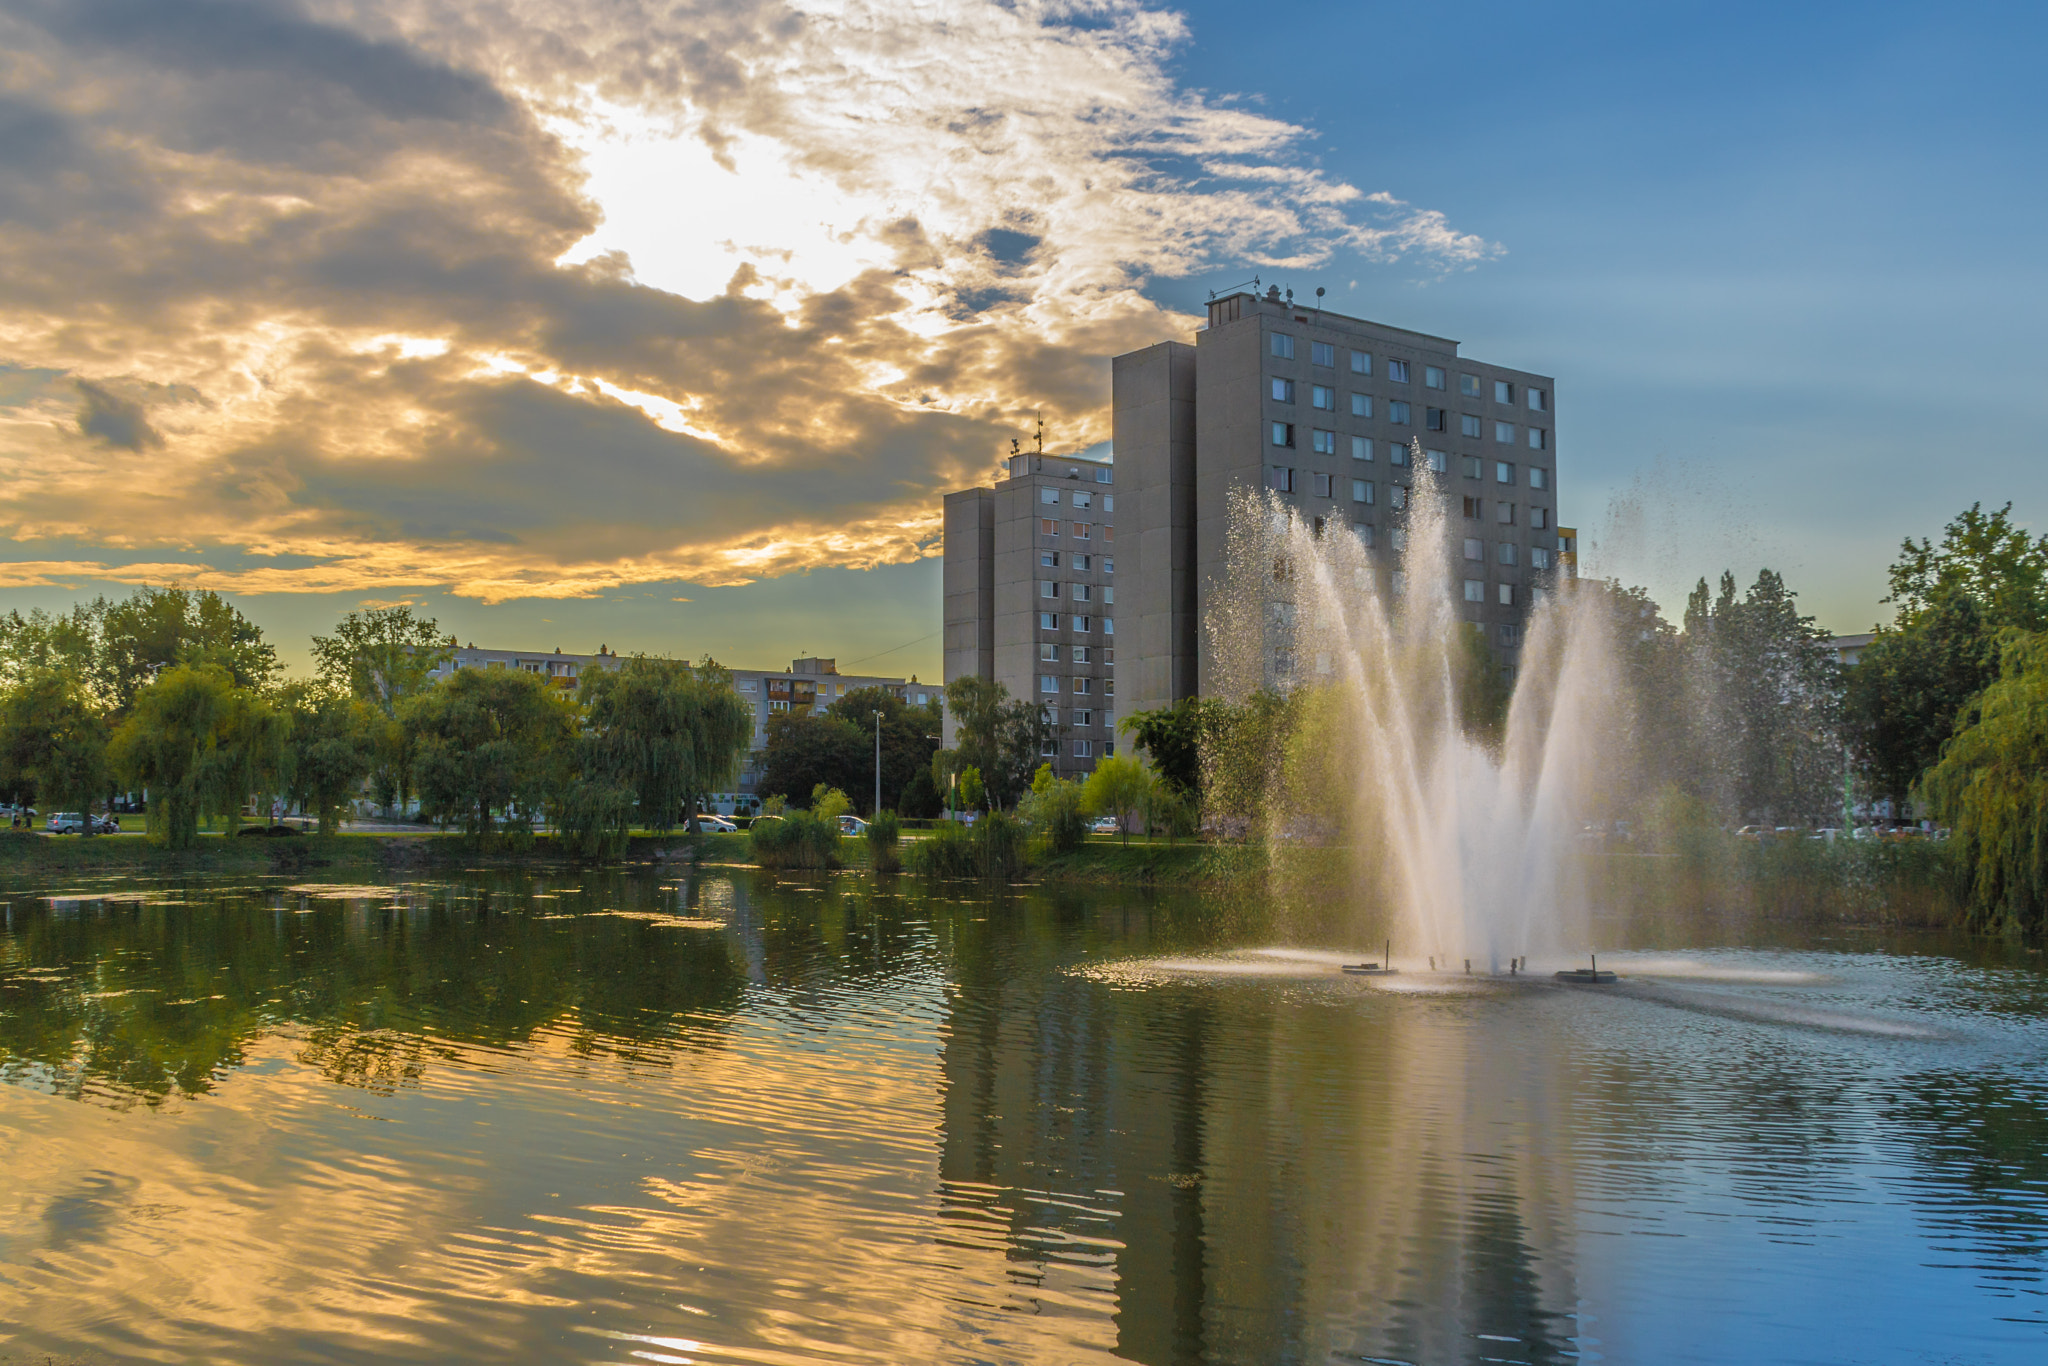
<point x="1466" y="841"/>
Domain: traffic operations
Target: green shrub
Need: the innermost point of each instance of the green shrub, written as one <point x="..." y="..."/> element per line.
<point x="883" y="833"/>
<point x="800" y="839"/>
<point x="992" y="849"/>
<point x="1053" y="806"/>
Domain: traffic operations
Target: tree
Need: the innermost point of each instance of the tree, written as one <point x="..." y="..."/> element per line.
<point x="490" y="744"/>
<point x="1171" y="738"/>
<point x="1118" y="787"/>
<point x="977" y="706"/>
<point x="1991" y="785"/>
<point x="804" y="751"/>
<point x="248" y="756"/>
<point x="53" y="742"/>
<point x="41" y="642"/>
<point x="159" y="627"/>
<point x="1982" y="557"/>
<point x="908" y="742"/>
<point x="332" y="749"/>
<point x="173" y="727"/>
<point x="1054" y="806"/>
<point x="724" y="729"/>
<point x="638" y="740"/>
<point x="1908" y="688"/>
<point x="384" y="657"/>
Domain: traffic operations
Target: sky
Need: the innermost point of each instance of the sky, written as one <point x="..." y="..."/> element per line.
<point x="665" y="326"/>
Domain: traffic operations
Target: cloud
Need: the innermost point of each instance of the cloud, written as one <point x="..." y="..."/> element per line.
<point x="516" y="298"/>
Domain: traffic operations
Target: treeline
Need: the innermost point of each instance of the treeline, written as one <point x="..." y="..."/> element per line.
<point x="176" y="693"/>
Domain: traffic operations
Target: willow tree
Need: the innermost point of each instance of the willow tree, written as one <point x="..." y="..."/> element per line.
<point x="1991" y="787"/>
<point x="490" y="746"/>
<point x="170" y="742"/>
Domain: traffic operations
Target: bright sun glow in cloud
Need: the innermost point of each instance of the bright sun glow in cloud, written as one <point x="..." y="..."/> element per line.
<point x="534" y="298"/>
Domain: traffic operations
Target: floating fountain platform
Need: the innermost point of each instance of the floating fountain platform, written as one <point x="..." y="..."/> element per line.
<point x="1587" y="977"/>
<point x="1370" y="970"/>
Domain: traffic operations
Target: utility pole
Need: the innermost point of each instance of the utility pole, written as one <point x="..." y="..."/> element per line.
<point x="877" y="810"/>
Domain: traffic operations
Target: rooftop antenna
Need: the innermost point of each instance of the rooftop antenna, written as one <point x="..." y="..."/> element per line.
<point x="1232" y="289"/>
<point x="1319" y="303"/>
<point x="1041" y="431"/>
<point x="1290" y="298"/>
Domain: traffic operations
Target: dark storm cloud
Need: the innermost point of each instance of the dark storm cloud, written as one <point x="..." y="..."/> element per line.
<point x="115" y="420"/>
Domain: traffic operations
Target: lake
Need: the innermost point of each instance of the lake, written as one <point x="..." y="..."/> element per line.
<point x="660" y="1116"/>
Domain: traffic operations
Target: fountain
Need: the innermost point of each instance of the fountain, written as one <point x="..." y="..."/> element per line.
<point x="1461" y="829"/>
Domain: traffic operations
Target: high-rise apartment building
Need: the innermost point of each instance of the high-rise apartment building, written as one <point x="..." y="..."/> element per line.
<point x="1340" y="418"/>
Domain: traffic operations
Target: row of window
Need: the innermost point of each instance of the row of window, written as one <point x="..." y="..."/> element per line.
<point x="1079" y="498"/>
<point x="1050" y="621"/>
<point x="1081" y="718"/>
<point x="1083" y="749"/>
<point x="1050" y="559"/>
<point x="1474" y="467"/>
<point x="1049" y="653"/>
<point x="1077" y="592"/>
<point x="1083" y="687"/>
<point x="1398" y="372"/>
<point x="1080" y="531"/>
<point x="1286" y="479"/>
<point x="1401" y="414"/>
<point x="1507" y="552"/>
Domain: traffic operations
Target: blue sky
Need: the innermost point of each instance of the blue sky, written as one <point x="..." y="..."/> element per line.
<point x="1783" y="260"/>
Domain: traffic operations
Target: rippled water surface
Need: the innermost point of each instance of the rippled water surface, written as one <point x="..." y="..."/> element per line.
<point x="718" y="1118"/>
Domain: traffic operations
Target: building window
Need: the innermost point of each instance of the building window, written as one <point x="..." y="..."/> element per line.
<point x="1082" y="500"/>
<point x="1474" y="509"/>
<point x="1283" y="433"/>
<point x="1503" y="472"/>
<point x="1049" y="559"/>
<point x="1078" y="592"/>
<point x="1048" y="621"/>
<point x="1397" y="454"/>
<point x="1283" y="345"/>
<point x="1048" y="526"/>
<point x="1108" y="565"/>
<point x="1361" y="491"/>
<point x="1397" y="495"/>
<point x="1361" y="448"/>
<point x="1280" y="478"/>
<point x="1323" y="443"/>
<point x="1504" y="513"/>
<point x="1397" y="538"/>
<point x="1469" y="466"/>
<point x="1468" y="385"/>
<point x="1102" y="476"/>
<point x="1507" y="594"/>
<point x="1047" y="588"/>
<point x="1397" y="371"/>
<point x="1508" y="634"/>
<point x="1435" y="420"/>
<point x="1080" y="654"/>
<point x="1438" y="461"/>
<point x="1538" y="401"/>
<point x="1083" y="716"/>
<point x="1322" y="353"/>
<point x="1049" y="652"/>
<point x="1108" y="531"/>
<point x="1048" y="495"/>
<point x="1322" y="396"/>
<point x="1083" y="749"/>
<point x="1507" y="552"/>
<point x="1538" y="439"/>
<point x="1504" y="432"/>
<point x="1048" y="683"/>
<point x="1468" y="425"/>
<point x="1361" y="362"/>
<point x="1475" y="549"/>
<point x="1539" y="518"/>
<point x="1539" y="558"/>
<point x="1283" y="391"/>
<point x="1503" y="391"/>
<point x="1475" y="590"/>
<point x="1363" y="531"/>
<point x="1432" y="377"/>
<point x="1084" y="686"/>
<point x="1108" y="629"/>
<point x="1361" y="405"/>
<point x="1538" y="478"/>
<point x="1081" y="625"/>
<point x="1397" y="412"/>
<point x="1322" y="484"/>
<point x="1080" y="563"/>
<point x="1083" y="530"/>
<point x="1109" y="502"/>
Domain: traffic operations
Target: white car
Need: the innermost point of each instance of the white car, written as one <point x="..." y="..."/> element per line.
<point x="66" y="823"/>
<point x="1106" y="825"/>
<point x="852" y="825"/>
<point x="717" y="823"/>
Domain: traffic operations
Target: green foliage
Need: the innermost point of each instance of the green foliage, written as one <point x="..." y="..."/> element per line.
<point x="53" y="742"/>
<point x="798" y="839"/>
<point x="968" y="792"/>
<point x="1910" y="685"/>
<point x="664" y="735"/>
<point x="382" y="656"/>
<point x="1483" y="688"/>
<point x="42" y="642"/>
<point x="1985" y="558"/>
<point x="921" y="799"/>
<point x="829" y="803"/>
<point x="1003" y="740"/>
<point x="1172" y="739"/>
<point x="334" y="741"/>
<point x="159" y="627"/>
<point x="1054" y="807"/>
<point x="168" y="744"/>
<point x="490" y="745"/>
<point x="993" y="849"/>
<point x="1118" y="787"/>
<point x="804" y="751"/>
<point x="884" y="834"/>
<point x="909" y="738"/>
<point x="1244" y="749"/>
<point x="1991" y="786"/>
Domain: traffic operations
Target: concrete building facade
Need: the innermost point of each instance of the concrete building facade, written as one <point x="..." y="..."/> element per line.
<point x="1340" y="418"/>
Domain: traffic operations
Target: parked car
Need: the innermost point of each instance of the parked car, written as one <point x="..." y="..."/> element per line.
<point x="105" y="825"/>
<point x="1105" y="825"/>
<point x="852" y="825"/>
<point x="66" y="823"/>
<point x="714" y="822"/>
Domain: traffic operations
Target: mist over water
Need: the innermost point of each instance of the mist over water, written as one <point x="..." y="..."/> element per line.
<point x="1459" y="832"/>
